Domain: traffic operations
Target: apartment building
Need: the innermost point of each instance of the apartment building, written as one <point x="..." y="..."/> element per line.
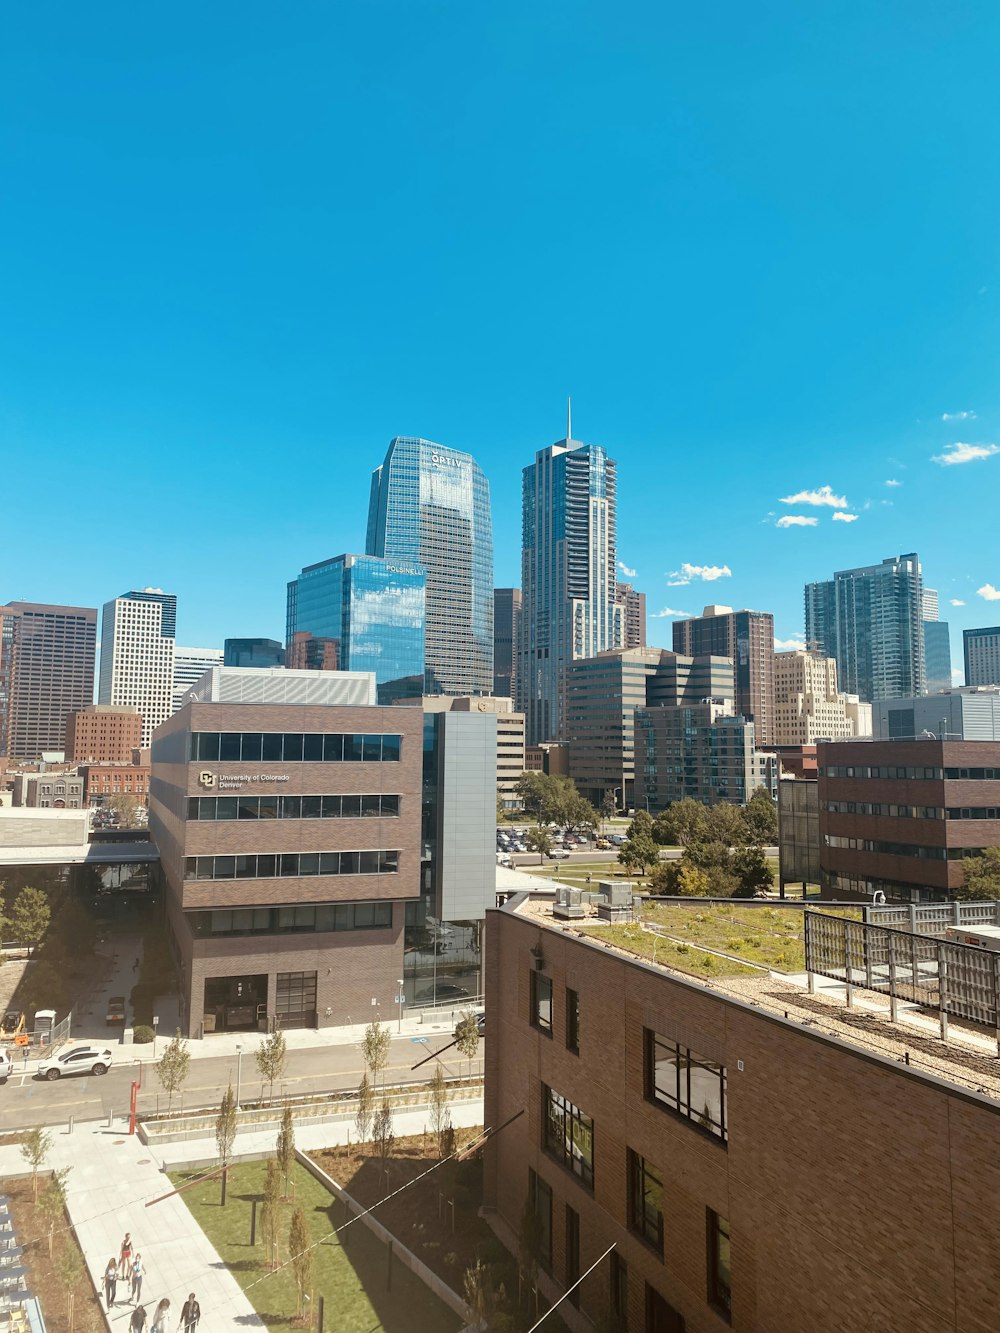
<point x="747" y="637"/>
<point x="47" y="657"/>
<point x="807" y="704"/>
<point x="697" y="751"/>
<point x="103" y="734"/>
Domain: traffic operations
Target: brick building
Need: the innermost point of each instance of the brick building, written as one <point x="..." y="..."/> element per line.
<point x="103" y="734"/>
<point x="758" y="1161"/>
<point x="104" y="780"/>
<point x="899" y="817"/>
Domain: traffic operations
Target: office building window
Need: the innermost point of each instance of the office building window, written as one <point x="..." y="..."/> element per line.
<point x="618" y="1292"/>
<point x="295" y="998"/>
<point x="294" y="920"/>
<point x="540" y="1196"/>
<point x="573" y="1252"/>
<point x="682" y="1081"/>
<point x="568" y="1135"/>
<point x="573" y="1021"/>
<point x="219" y="808"/>
<point x="645" y="1201"/>
<point x="541" y="1002"/>
<point x="719" y="1286"/>
<point x="293" y="747"/>
<point x="291" y="865"/>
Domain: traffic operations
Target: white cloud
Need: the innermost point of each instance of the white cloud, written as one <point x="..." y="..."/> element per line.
<point x="989" y="593"/>
<point x="958" y="416"/>
<point x="965" y="453"/>
<point x="823" y="495"/>
<point x="957" y="676"/>
<point x="624" y="569"/>
<point x="957" y="601"/>
<point x="795" y="644"/>
<point x="680" y="578"/>
<point x="893" y="482"/>
<point x="840" y="517"/>
<point x="668" y="612"/>
<point x="796" y="521"/>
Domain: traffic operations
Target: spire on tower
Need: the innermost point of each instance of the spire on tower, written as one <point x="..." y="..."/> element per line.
<point x="569" y="418"/>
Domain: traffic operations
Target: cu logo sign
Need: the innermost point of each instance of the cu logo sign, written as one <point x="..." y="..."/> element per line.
<point x="207" y="779"/>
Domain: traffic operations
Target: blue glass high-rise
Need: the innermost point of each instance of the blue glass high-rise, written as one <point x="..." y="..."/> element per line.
<point x="372" y="610"/>
<point x="430" y="506"/>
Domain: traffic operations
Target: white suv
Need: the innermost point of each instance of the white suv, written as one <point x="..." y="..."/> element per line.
<point x="6" y="1065"/>
<point x="76" y="1060"/>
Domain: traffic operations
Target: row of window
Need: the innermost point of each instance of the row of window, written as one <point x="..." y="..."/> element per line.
<point x="219" y="808"/>
<point x="291" y="920"/>
<point x="911" y="811"/>
<point x="901" y="848"/>
<point x="918" y="773"/>
<point x="291" y="865"/>
<point x="292" y="747"/>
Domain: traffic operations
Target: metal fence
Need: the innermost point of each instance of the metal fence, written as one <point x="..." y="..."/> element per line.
<point x="955" y="979"/>
<point x="934" y="918"/>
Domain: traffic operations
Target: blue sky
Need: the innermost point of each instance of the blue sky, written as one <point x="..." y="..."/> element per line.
<point x="245" y="244"/>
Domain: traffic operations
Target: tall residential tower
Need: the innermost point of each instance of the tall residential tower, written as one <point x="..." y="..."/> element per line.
<point x="748" y="638"/>
<point x="46" y="673"/>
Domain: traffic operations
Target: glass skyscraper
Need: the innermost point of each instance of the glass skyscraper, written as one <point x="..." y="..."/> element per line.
<point x="568" y="577"/>
<point x="370" y="613"/>
<point x="430" y="506"/>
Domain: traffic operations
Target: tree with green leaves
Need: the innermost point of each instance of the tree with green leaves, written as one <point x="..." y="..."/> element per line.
<point x="383" y="1137"/>
<point x="284" y="1149"/>
<point x="300" y="1251"/>
<point x="440" y="1110"/>
<point x="52" y="1202"/>
<point x="641" y="825"/>
<point x="725" y="824"/>
<point x="126" y="808"/>
<point x="225" y="1134"/>
<point x="271" y="1212"/>
<point x="365" y="1112"/>
<point x="751" y="868"/>
<point x="609" y="805"/>
<point x="69" y="1271"/>
<point x="270" y="1056"/>
<point x="173" y="1066"/>
<point x="760" y="819"/>
<point x="34" y="1149"/>
<point x="30" y="917"/>
<point x="375" y="1048"/>
<point x="982" y="877"/>
<point x="640" y="851"/>
<point x="681" y="824"/>
<point x="678" y="877"/>
<point x="539" y="840"/>
<point x="467" y="1037"/>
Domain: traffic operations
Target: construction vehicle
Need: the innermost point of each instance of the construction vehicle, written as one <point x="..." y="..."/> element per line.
<point x="13" y="1023"/>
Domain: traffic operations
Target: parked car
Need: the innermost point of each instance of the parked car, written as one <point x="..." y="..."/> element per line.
<point x="76" y="1060"/>
<point x="116" y="1010"/>
<point x="6" y="1065"/>
<point x="558" y="854"/>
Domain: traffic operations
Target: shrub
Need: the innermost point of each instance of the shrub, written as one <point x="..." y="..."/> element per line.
<point x="142" y="1034"/>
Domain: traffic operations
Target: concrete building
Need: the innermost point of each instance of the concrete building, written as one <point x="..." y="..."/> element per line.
<point x="899" y="816"/>
<point x="870" y="620"/>
<point x="103" y="734"/>
<point x="46" y="673"/>
<point x="708" y="1131"/>
<point x="506" y="633"/>
<point x="49" y="791"/>
<point x="430" y="509"/>
<point x="701" y="751"/>
<point x="982" y="655"/>
<point x="253" y="653"/>
<point x="808" y="705"/>
<point x="190" y="664"/>
<point x="747" y="637"/>
<point x="568" y="577"/>
<point x="970" y="714"/>
<point x="509" y="734"/>
<point x="138" y="636"/>
<point x="633" y="607"/>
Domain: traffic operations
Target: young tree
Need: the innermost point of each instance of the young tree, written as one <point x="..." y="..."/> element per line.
<point x="225" y="1134"/>
<point x="480" y="1295"/>
<point x="285" y="1147"/>
<point x="609" y="805"/>
<point x="982" y="877"/>
<point x="34" y="1149"/>
<point x="172" y="1066"/>
<point x="640" y="851"/>
<point x="382" y="1136"/>
<point x="30" y="917"/>
<point x="440" y="1111"/>
<point x="760" y="819"/>
<point x="69" y="1271"/>
<point x="52" y="1202"/>
<point x="300" y="1250"/>
<point x="126" y="807"/>
<point x="539" y="840"/>
<point x="375" y="1048"/>
<point x="641" y="825"/>
<point x="467" y="1037"/>
<point x="365" y="1112"/>
<point x="270" y="1057"/>
<point x="271" y="1212"/>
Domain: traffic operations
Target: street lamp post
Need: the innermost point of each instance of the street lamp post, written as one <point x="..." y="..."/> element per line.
<point x="156" y="1024"/>
<point x="239" y="1072"/>
<point x="399" y="1001"/>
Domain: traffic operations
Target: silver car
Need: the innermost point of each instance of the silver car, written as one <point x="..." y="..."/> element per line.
<point x="76" y="1060"/>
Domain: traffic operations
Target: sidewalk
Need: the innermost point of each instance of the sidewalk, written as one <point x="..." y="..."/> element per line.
<point x="114" y="1175"/>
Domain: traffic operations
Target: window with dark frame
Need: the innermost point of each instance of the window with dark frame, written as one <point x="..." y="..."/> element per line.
<point x="573" y="1253"/>
<point x="568" y="1135"/>
<point x="719" y="1281"/>
<point x="540" y="1196"/>
<point x="686" y="1083"/>
<point x="618" y="1291"/>
<point x="573" y="1021"/>
<point x="645" y="1201"/>
<point x="541" y="1002"/>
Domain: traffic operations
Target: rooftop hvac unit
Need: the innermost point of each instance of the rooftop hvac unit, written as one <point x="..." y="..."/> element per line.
<point x="569" y="904"/>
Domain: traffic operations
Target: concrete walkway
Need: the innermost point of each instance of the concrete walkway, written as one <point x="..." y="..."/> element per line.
<point x="114" y="1176"/>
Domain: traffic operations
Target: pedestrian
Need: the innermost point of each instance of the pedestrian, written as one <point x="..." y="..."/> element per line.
<point x="137" y="1277"/>
<point x="125" y="1257"/>
<point x="137" y="1324"/>
<point x="190" y="1315"/>
<point x="110" y="1281"/>
<point x="159" y="1324"/>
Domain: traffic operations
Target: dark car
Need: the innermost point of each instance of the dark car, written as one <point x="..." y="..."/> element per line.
<point x="442" y="993"/>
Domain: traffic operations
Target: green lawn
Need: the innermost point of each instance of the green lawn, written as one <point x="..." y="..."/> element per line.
<point x="768" y="935"/>
<point x="683" y="957"/>
<point x="350" y="1276"/>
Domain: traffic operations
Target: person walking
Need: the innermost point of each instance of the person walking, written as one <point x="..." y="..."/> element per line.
<point x="190" y="1315"/>
<point x="110" y="1282"/>
<point x="137" y="1324"/>
<point x="159" y="1324"/>
<point x="137" y="1277"/>
<point x="125" y="1256"/>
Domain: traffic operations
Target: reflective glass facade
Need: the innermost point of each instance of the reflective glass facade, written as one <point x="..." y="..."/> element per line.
<point x="430" y="506"/>
<point x="373" y="610"/>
